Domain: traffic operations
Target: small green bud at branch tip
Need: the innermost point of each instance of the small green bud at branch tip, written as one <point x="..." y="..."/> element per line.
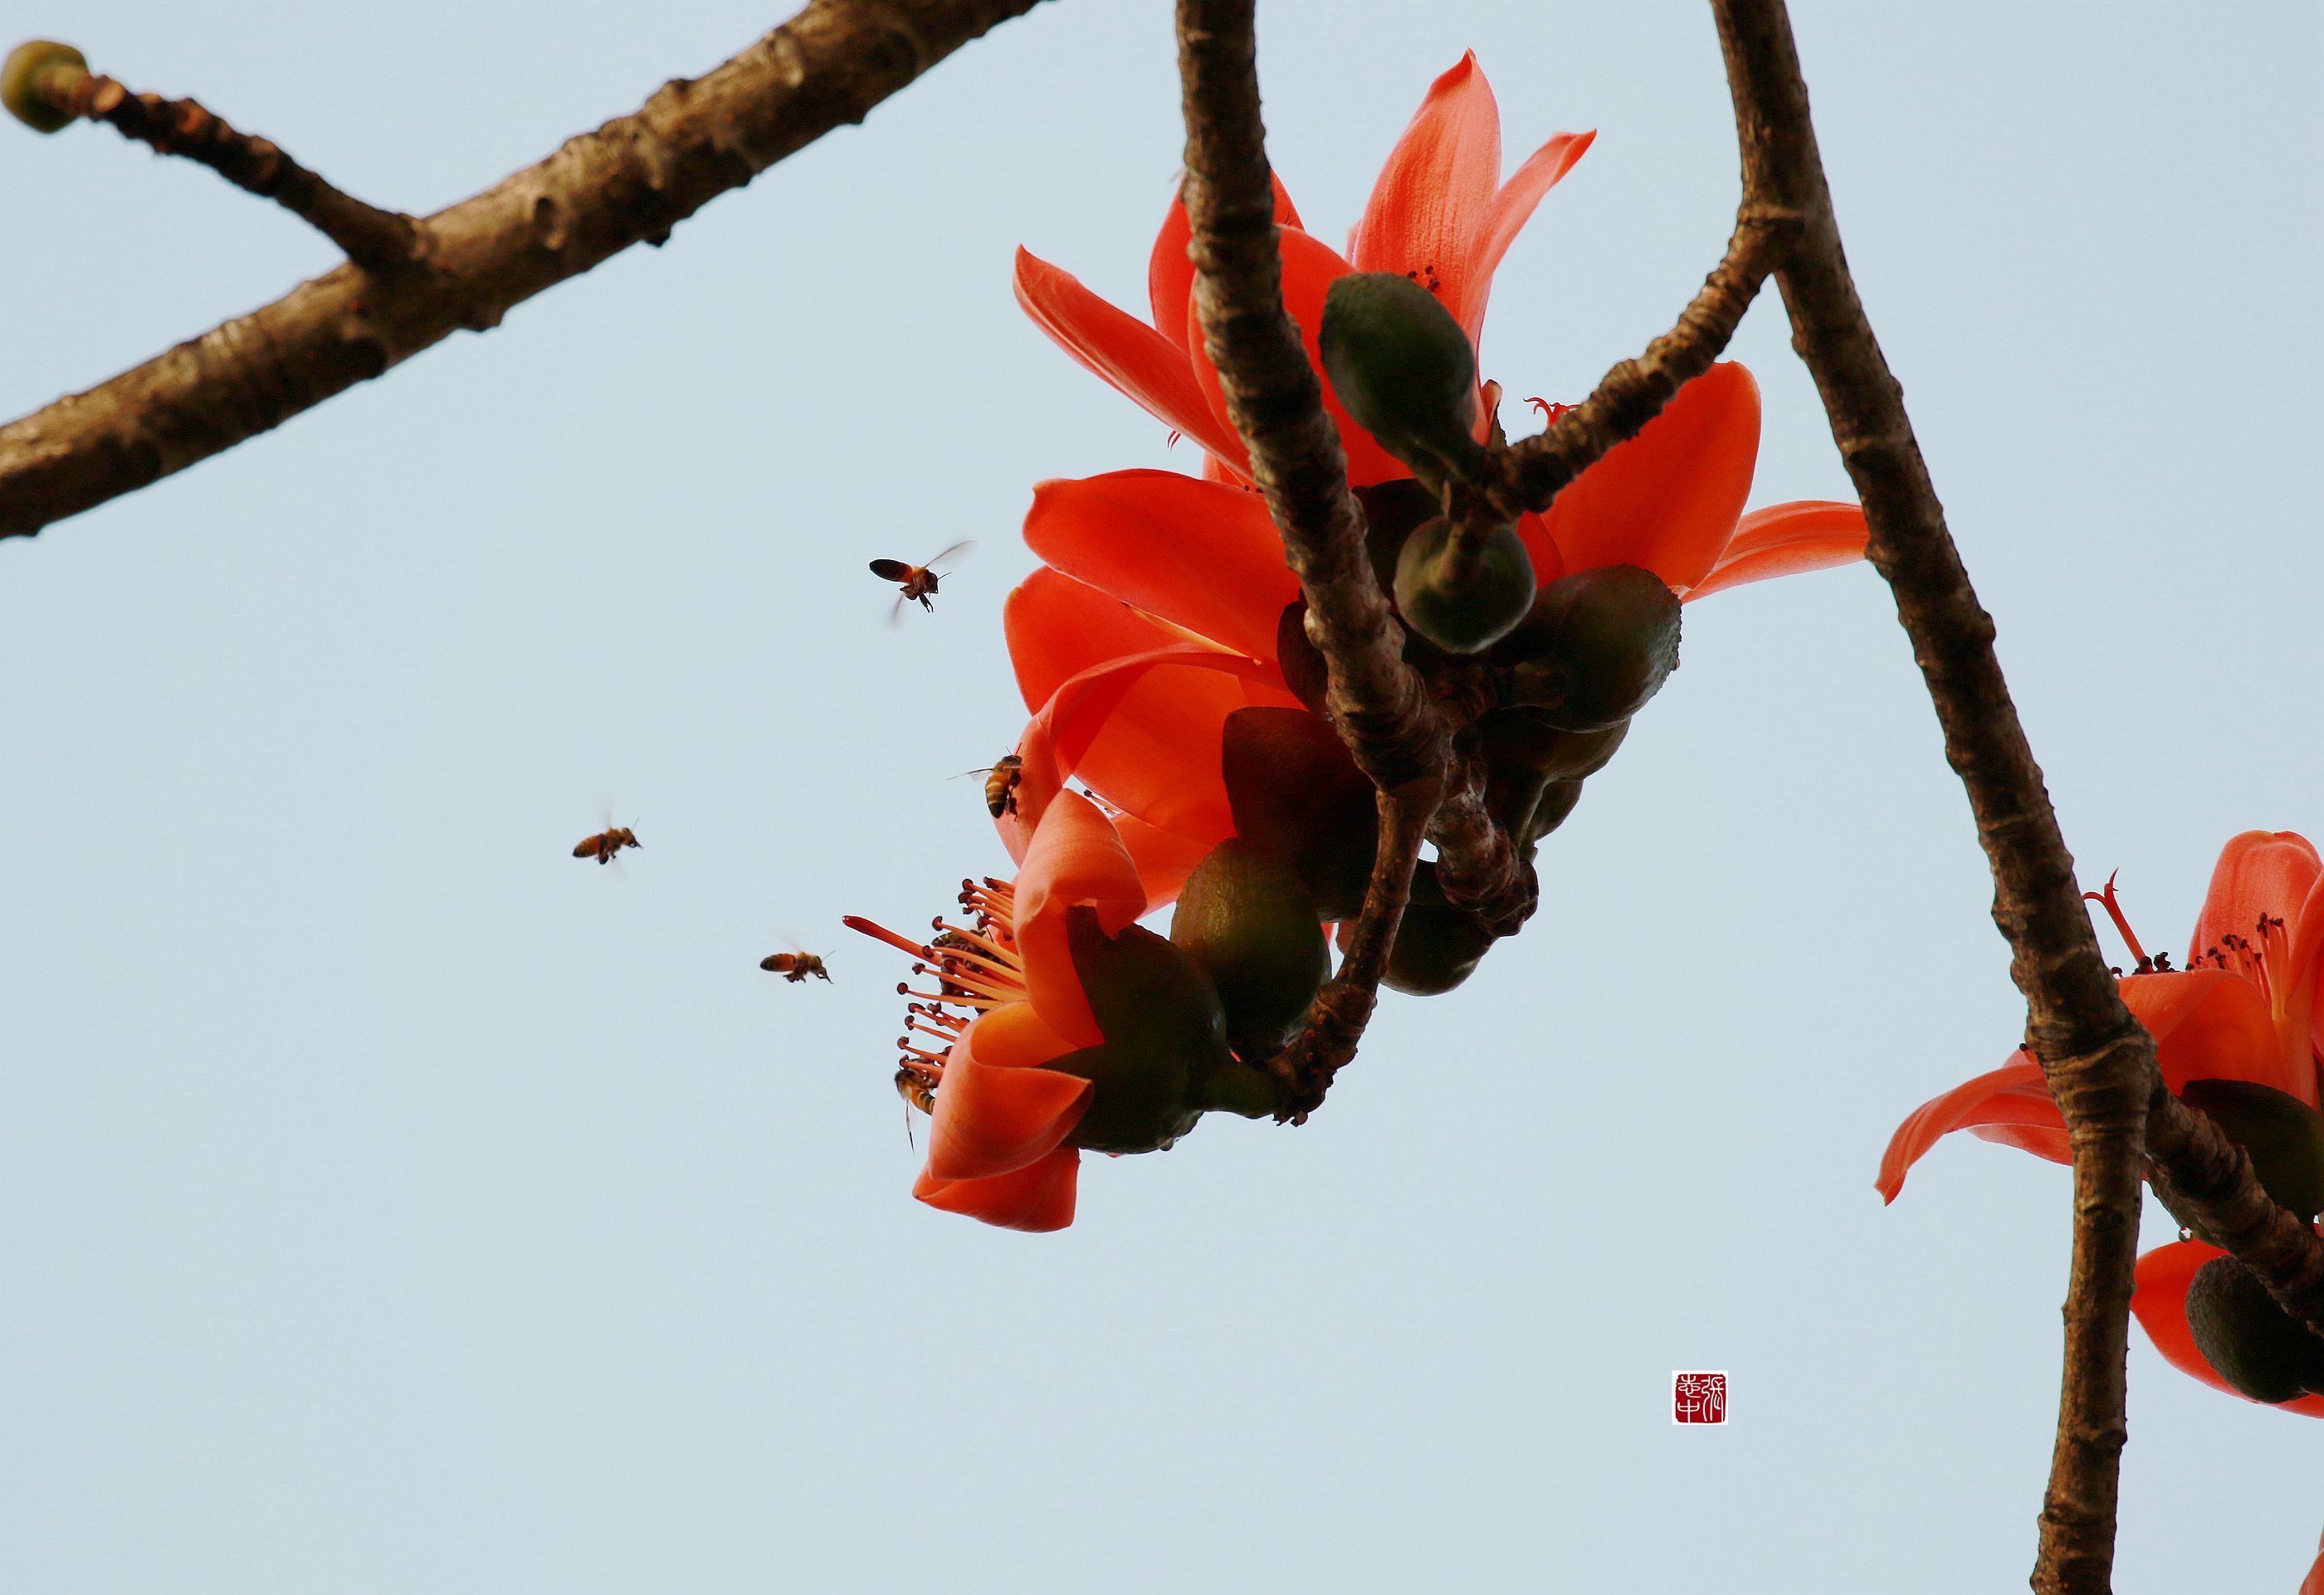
<point x="37" y="81"/>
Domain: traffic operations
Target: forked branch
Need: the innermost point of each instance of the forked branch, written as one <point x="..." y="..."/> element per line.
<point x="628" y="182"/>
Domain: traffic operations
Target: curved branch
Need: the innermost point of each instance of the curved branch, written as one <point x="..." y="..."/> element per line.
<point x="629" y="181"/>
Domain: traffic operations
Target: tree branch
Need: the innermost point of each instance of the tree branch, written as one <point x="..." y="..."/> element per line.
<point x="2207" y="1182"/>
<point x="376" y="240"/>
<point x="2099" y="1063"/>
<point x="629" y="181"/>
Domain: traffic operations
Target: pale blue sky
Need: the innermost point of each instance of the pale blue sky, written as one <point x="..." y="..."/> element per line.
<point x="389" y="1202"/>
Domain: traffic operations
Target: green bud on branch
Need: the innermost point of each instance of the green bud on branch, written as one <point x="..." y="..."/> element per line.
<point x="37" y="81"/>
<point x="1248" y="922"/>
<point x="1597" y="646"/>
<point x="1403" y="370"/>
<point x="1463" y="592"/>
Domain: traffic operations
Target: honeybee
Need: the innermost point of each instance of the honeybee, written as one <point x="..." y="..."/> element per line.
<point x="1000" y="785"/>
<point x="795" y="967"/>
<point x="606" y="843"/>
<point x="917" y="1088"/>
<point x="915" y="581"/>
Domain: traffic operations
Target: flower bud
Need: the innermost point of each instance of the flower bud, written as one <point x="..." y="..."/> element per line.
<point x="1463" y="600"/>
<point x="1598" y="644"/>
<point x="1249" y="923"/>
<point x="1295" y="791"/>
<point x="1165" y="1037"/>
<point x="34" y="79"/>
<point x="1403" y="370"/>
<point x="2255" y="1345"/>
<point x="2282" y="1136"/>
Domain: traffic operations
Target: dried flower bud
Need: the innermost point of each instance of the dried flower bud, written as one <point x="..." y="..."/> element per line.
<point x="2250" y="1342"/>
<point x="1464" y="601"/>
<point x="1249" y="923"/>
<point x="1403" y="370"/>
<point x="35" y="79"/>
<point x="1597" y="646"/>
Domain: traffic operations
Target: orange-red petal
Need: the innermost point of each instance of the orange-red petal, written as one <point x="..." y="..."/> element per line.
<point x="1194" y="553"/>
<point x="1430" y="205"/>
<point x="2160" y="1302"/>
<point x="1164" y="858"/>
<point x="1075" y="860"/>
<point x="1785" y="540"/>
<point x="1123" y="350"/>
<point x="2259" y="873"/>
<point x="1038" y="1198"/>
<point x="1180" y="780"/>
<point x="1512" y="206"/>
<point x="1669" y="499"/>
<point x="997" y="1110"/>
<point x="2011" y="1102"/>
<point x="1149" y="745"/>
<point x="1170" y="270"/>
<point x="2211" y="1025"/>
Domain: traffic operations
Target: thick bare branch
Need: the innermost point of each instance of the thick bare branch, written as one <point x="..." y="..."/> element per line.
<point x="629" y="181"/>
<point x="1276" y="401"/>
<point x="2098" y="1061"/>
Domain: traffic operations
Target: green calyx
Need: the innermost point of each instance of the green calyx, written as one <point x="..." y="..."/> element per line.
<point x="1464" y="596"/>
<point x="1404" y="370"/>
<point x="1248" y="922"/>
<point x="1165" y="1039"/>
<point x="35" y="80"/>
<point x="2250" y="1341"/>
<point x="1596" y="647"/>
<point x="2282" y="1136"/>
<point x="1296" y="793"/>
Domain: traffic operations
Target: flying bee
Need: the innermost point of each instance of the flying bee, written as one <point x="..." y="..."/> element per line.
<point x="915" y="581"/>
<point x="795" y="967"/>
<point x="1000" y="785"/>
<point x="606" y="843"/>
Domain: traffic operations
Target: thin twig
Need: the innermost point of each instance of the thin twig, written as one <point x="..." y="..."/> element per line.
<point x="2098" y="1061"/>
<point x="627" y="182"/>
<point x="376" y="240"/>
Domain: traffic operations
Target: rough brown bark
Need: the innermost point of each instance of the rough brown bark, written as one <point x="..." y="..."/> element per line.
<point x="2098" y="1061"/>
<point x="629" y="181"/>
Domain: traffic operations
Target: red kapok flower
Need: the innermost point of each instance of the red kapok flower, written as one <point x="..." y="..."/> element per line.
<point x="1055" y="1024"/>
<point x="2244" y="1008"/>
<point x="1138" y="560"/>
